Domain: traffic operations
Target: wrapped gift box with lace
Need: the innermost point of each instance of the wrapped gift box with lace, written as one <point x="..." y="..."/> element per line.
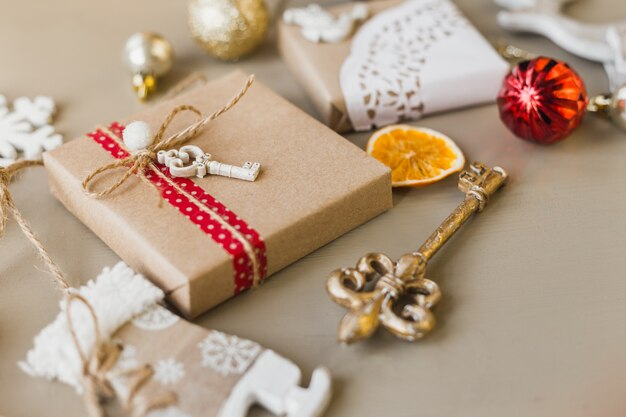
<point x="396" y="61"/>
<point x="203" y="240"/>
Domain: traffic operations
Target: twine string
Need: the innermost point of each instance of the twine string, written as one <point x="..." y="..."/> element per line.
<point x="138" y="162"/>
<point x="98" y="365"/>
<point x="193" y="78"/>
<point x="8" y="206"/>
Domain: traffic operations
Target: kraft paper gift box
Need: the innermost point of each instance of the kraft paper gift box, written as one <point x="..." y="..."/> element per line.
<point x="313" y="187"/>
<point x="407" y="59"/>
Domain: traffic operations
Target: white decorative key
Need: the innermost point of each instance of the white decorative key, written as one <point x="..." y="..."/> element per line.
<point x="178" y="162"/>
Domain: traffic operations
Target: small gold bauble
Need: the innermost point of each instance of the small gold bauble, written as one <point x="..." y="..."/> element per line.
<point x="228" y="29"/>
<point x="148" y="56"/>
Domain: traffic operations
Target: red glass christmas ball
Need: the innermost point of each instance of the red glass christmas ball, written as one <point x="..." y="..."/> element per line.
<point x="542" y="100"/>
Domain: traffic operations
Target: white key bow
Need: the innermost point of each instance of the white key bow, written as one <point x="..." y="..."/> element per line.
<point x="178" y="162"/>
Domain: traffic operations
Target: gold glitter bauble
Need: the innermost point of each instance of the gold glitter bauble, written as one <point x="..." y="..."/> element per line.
<point x="228" y="29"/>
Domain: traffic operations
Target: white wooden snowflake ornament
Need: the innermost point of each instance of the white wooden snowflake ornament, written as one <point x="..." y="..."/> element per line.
<point x="38" y="111"/>
<point x="24" y="130"/>
<point x="318" y="25"/>
<point x="11" y="126"/>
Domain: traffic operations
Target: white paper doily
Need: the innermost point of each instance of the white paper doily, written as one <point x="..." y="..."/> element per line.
<point x="420" y="57"/>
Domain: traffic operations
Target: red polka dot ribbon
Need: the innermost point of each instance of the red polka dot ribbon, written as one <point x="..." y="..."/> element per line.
<point x="233" y="234"/>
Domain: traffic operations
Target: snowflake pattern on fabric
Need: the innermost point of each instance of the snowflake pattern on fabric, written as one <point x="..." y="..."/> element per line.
<point x="227" y="355"/>
<point x="168" y="371"/>
<point x="128" y="358"/>
<point x="155" y="318"/>
<point x="380" y="78"/>
<point x="25" y="129"/>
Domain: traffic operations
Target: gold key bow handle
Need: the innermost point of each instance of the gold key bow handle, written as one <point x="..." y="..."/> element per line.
<point x="389" y="281"/>
<point x="396" y="294"/>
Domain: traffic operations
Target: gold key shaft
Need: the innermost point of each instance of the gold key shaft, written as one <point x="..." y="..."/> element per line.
<point x="373" y="289"/>
<point x="478" y="184"/>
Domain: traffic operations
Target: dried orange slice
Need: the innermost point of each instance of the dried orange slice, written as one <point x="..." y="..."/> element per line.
<point x="416" y="155"/>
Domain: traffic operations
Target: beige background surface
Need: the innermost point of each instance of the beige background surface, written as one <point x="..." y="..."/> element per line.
<point x="532" y="320"/>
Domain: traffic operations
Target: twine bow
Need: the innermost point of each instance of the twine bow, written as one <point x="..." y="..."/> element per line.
<point x="97" y="370"/>
<point x="138" y="162"/>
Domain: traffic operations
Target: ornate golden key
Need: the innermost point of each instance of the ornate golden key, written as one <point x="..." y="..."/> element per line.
<point x="378" y="288"/>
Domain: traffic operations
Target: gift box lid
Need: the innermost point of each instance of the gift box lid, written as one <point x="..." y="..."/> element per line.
<point x="313" y="186"/>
